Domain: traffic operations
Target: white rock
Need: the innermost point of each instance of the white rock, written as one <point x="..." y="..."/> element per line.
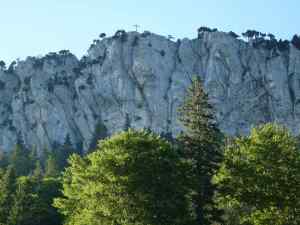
<point x="141" y="82"/>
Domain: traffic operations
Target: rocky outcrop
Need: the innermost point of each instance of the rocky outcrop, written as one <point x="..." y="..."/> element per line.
<point x="139" y="80"/>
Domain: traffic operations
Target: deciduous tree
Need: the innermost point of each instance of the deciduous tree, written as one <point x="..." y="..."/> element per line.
<point x="133" y="178"/>
<point x="259" y="180"/>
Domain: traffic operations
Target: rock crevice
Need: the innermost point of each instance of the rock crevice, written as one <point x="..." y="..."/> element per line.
<point x="139" y="80"/>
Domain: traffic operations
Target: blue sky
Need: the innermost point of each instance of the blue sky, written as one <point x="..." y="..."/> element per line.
<point x="35" y="27"/>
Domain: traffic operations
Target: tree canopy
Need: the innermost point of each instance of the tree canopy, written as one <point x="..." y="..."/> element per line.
<point x="134" y="177"/>
<point x="296" y="41"/>
<point x="259" y="180"/>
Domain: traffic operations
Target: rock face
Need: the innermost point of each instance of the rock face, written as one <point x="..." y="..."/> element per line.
<point x="139" y="80"/>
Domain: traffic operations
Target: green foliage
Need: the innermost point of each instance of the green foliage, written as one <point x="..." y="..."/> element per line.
<point x="138" y="178"/>
<point x="34" y="163"/>
<point x="7" y="188"/>
<point x="51" y="167"/>
<point x="133" y="178"/>
<point x="57" y="158"/>
<point x="32" y="202"/>
<point x="20" y="161"/>
<point x="259" y="180"/>
<point x="25" y="196"/>
<point x="22" y="210"/>
<point x="201" y="142"/>
<point x="3" y="160"/>
<point x="100" y="132"/>
<point x="38" y="170"/>
<point x="49" y="189"/>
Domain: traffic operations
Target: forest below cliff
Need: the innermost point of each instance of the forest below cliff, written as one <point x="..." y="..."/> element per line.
<point x="137" y="177"/>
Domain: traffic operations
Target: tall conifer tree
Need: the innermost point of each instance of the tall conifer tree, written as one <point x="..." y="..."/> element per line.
<point x="201" y="142"/>
<point x="52" y="168"/>
<point x="7" y="189"/>
<point x="19" y="159"/>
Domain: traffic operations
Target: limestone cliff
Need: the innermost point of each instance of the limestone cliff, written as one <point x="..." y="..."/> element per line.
<point x="138" y="80"/>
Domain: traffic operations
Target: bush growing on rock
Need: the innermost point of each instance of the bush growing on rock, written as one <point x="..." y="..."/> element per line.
<point x="121" y="34"/>
<point x="233" y="34"/>
<point x="162" y="53"/>
<point x="2" y="65"/>
<point x="12" y="67"/>
<point x="204" y="29"/>
<point x="296" y="41"/>
<point x="102" y="35"/>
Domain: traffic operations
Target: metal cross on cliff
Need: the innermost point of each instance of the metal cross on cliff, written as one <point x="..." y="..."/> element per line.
<point x="136" y="27"/>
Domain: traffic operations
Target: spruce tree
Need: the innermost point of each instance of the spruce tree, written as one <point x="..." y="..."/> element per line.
<point x="63" y="152"/>
<point x="44" y="156"/>
<point x="33" y="159"/>
<point x="38" y="170"/>
<point x="7" y="189"/>
<point x="31" y="203"/>
<point x="3" y="159"/>
<point x="20" y="161"/>
<point x="21" y="205"/>
<point x="28" y="206"/>
<point x="201" y="142"/>
<point x="51" y="167"/>
<point x="100" y="132"/>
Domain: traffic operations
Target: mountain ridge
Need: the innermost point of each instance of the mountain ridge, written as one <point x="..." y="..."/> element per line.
<point x="139" y="79"/>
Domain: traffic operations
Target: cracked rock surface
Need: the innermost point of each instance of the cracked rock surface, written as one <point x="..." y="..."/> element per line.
<point x="139" y="81"/>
